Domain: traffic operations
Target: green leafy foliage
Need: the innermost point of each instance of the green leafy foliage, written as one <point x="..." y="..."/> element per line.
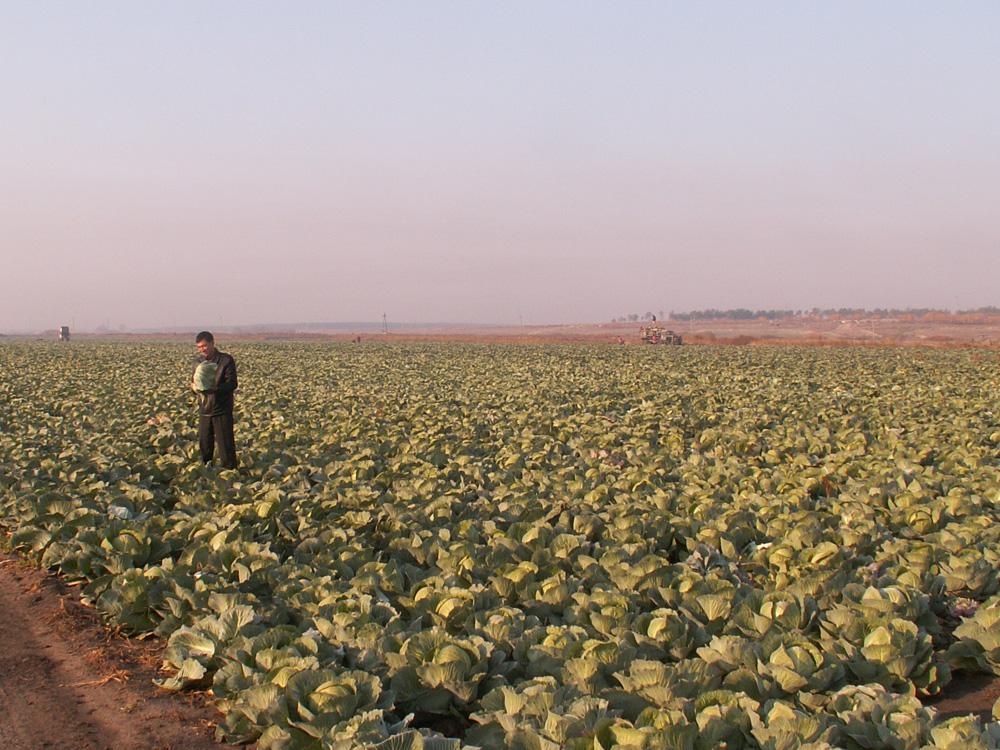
<point x="530" y="547"/>
<point x="978" y="646"/>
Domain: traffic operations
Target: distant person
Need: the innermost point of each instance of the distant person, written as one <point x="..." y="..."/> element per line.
<point x="214" y="380"/>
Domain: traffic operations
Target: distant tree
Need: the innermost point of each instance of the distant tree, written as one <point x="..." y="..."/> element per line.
<point x="633" y="317"/>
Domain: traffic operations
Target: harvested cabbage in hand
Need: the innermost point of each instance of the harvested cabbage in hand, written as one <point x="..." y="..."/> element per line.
<point x="204" y="376"/>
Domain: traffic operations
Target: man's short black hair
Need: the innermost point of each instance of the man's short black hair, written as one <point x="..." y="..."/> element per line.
<point x="204" y="336"/>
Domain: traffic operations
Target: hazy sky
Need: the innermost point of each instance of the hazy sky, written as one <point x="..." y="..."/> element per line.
<point x="219" y="163"/>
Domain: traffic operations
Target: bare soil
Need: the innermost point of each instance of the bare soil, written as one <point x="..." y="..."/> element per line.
<point x="68" y="682"/>
<point x="940" y="331"/>
<point x="968" y="694"/>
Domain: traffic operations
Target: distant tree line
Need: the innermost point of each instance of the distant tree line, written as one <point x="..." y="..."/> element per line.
<point x="739" y="313"/>
<point x="742" y="313"/>
<point x="636" y="317"/>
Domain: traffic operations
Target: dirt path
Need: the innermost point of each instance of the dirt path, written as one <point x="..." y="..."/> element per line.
<point x="65" y="682"/>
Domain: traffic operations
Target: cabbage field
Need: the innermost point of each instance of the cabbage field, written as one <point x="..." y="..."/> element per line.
<point x="445" y="545"/>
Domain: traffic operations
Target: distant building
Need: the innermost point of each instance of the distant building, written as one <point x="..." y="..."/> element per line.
<point x="64" y="333"/>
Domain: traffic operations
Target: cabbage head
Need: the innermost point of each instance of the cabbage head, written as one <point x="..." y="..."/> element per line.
<point x="204" y="376"/>
<point x="978" y="646"/>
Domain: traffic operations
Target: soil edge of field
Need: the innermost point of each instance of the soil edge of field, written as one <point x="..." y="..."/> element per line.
<point x="66" y="681"/>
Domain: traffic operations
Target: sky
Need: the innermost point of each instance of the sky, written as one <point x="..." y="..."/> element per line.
<point x="226" y="163"/>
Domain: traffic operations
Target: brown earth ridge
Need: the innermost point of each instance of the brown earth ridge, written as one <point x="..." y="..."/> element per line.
<point x="66" y="681"/>
<point x="939" y="332"/>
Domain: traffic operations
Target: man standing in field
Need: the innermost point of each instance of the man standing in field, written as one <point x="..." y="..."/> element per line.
<point x="215" y="400"/>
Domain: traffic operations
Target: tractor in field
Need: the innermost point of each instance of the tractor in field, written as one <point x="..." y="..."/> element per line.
<point x="655" y="334"/>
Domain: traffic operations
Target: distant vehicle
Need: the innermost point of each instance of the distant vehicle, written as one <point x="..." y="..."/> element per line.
<point x="654" y="334"/>
<point x="64" y="333"/>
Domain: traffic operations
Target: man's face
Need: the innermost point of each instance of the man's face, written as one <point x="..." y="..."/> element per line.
<point x="206" y="349"/>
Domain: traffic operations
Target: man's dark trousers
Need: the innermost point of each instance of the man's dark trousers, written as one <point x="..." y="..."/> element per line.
<point x="217" y="430"/>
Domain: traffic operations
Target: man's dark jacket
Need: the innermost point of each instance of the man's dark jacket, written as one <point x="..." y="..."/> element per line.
<point x="220" y="401"/>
